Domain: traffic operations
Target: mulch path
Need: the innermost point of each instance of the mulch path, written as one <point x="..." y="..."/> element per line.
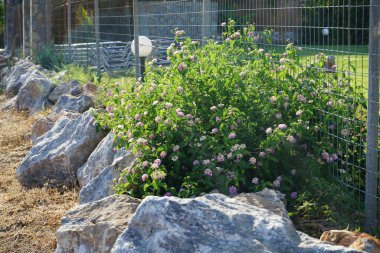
<point x="29" y="218"/>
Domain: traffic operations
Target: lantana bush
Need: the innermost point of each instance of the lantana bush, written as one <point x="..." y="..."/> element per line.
<point x="229" y="116"/>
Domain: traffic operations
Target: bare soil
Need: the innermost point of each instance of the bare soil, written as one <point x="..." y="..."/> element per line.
<point x="29" y="218"/>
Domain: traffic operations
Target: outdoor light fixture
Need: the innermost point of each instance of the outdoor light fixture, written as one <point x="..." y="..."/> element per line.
<point x="145" y="49"/>
<point x="325" y="31"/>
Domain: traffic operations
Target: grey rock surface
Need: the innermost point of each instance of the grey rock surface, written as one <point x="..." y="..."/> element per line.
<point x="102" y="185"/>
<point x="60" y="76"/>
<point x="55" y="116"/>
<point x="90" y="89"/>
<point x="94" y="227"/>
<point x="56" y="156"/>
<point x="3" y="72"/>
<point x="100" y="158"/>
<point x="40" y="127"/>
<point x="15" y="77"/>
<point x="33" y="94"/>
<point x="71" y="87"/>
<point x="214" y="223"/>
<point x="266" y="199"/>
<point x="312" y="245"/>
<point x="43" y="125"/>
<point x="8" y="104"/>
<point x="353" y="240"/>
<point x="76" y="104"/>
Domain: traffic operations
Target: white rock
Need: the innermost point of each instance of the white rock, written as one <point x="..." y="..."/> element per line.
<point x="75" y="104"/>
<point x="214" y="223"/>
<point x="100" y="158"/>
<point x="57" y="155"/>
<point x="15" y="77"/>
<point x="40" y="127"/>
<point x="9" y="104"/>
<point x="94" y="227"/>
<point x="102" y="185"/>
<point x="72" y="87"/>
<point x="33" y="94"/>
<point x="43" y="125"/>
<point x="266" y="199"/>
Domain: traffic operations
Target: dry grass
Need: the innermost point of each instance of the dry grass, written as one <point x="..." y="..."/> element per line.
<point x="28" y="218"/>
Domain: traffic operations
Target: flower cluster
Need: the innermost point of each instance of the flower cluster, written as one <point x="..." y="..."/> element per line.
<point x="228" y="116"/>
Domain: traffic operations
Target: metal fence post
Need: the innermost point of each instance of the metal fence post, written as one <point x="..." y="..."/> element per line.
<point x="97" y="36"/>
<point x="24" y="27"/>
<point x="69" y="36"/>
<point x="136" y="37"/>
<point x="373" y="117"/>
<point x="206" y="20"/>
<point x="31" y="28"/>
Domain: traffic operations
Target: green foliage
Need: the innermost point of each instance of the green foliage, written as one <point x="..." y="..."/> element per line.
<point x="84" y="23"/>
<point x="322" y="205"/>
<point x="232" y="117"/>
<point x="2" y="13"/>
<point x="80" y="73"/>
<point x="82" y="16"/>
<point x="49" y="58"/>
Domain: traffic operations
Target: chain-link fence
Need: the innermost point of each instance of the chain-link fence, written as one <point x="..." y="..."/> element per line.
<point x="99" y="33"/>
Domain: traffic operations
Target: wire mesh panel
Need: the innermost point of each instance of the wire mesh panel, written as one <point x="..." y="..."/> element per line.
<point x="336" y="32"/>
<point x="77" y="29"/>
<point x="74" y="30"/>
<point x="116" y="34"/>
<point x="60" y="22"/>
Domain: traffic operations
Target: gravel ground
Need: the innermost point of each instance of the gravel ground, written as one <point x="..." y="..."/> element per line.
<point x="29" y="218"/>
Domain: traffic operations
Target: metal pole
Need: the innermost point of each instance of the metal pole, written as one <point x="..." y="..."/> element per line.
<point x="31" y="28"/>
<point x="371" y="207"/>
<point x="142" y="68"/>
<point x="24" y="29"/>
<point x="9" y="27"/>
<point x="97" y="36"/>
<point x="203" y="22"/>
<point x="206" y="20"/>
<point x="69" y="36"/>
<point x="136" y="37"/>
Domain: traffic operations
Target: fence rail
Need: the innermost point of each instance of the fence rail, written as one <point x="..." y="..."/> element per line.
<point x="99" y="33"/>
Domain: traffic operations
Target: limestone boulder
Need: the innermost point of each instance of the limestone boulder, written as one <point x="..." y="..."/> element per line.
<point x="90" y="89"/>
<point x="101" y="186"/>
<point x="354" y="240"/>
<point x="60" y="76"/>
<point x="313" y="245"/>
<point x="40" y="127"/>
<point x="8" y="104"/>
<point x="55" y="116"/>
<point x="71" y="103"/>
<point x="72" y="88"/>
<point x="56" y="156"/>
<point x="34" y="93"/>
<point x="43" y="125"/>
<point x="214" y="223"/>
<point x="3" y="73"/>
<point x="100" y="158"/>
<point x="266" y="199"/>
<point x="94" y="227"/>
<point x="15" y="77"/>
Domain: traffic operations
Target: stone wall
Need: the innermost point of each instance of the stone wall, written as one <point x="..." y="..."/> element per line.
<point x="158" y="19"/>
